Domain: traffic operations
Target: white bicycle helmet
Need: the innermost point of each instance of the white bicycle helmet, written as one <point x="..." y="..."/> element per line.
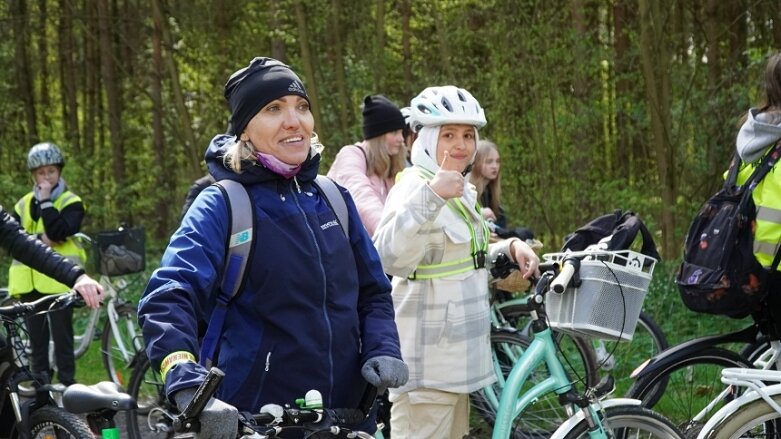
<point x="445" y="105"/>
<point x="43" y="154"/>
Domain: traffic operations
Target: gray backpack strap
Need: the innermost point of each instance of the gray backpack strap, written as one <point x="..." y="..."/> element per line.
<point x="238" y="253"/>
<point x="335" y="199"/>
<point x="240" y="237"/>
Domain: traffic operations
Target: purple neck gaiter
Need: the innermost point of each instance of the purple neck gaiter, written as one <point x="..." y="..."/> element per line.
<point x="277" y="166"/>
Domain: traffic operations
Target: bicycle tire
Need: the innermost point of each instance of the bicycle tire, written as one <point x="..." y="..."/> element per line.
<point x="51" y="421"/>
<point x="648" y="341"/>
<point x="628" y="421"/>
<point x="539" y="419"/>
<point x="147" y="388"/>
<point x="116" y="365"/>
<point x="681" y="401"/>
<point x="757" y="419"/>
<point x="578" y="353"/>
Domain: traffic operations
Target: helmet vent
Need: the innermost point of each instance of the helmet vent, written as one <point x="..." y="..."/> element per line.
<point x="446" y="104"/>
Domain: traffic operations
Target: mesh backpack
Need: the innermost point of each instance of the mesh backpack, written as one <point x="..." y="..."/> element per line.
<point x="240" y="245"/>
<point x="719" y="273"/>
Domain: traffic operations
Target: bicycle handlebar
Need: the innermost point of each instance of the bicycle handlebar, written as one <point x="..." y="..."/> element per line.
<point x="570" y="266"/>
<point x="47" y="303"/>
<point x="187" y="421"/>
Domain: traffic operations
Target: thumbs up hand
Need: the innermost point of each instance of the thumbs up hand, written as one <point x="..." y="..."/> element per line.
<point x="448" y="182"/>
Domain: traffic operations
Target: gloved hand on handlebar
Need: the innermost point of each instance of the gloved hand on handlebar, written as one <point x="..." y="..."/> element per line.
<point x="383" y="372"/>
<point x="218" y="419"/>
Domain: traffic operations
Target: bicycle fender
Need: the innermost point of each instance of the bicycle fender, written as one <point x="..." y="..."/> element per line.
<point x="570" y="423"/>
<point x="733" y="406"/>
<point x="683" y="350"/>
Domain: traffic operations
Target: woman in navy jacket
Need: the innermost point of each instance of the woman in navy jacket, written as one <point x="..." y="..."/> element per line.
<point x="315" y="311"/>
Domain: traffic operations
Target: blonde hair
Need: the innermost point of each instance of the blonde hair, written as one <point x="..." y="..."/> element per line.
<point x="379" y="161"/>
<point x="476" y="175"/>
<point x="237" y="153"/>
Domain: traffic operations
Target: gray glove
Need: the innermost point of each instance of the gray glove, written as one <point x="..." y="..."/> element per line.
<point x="383" y="372"/>
<point x="219" y="420"/>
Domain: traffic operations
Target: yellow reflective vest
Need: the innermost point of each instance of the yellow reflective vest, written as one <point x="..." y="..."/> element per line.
<point x="23" y="279"/>
<point x="767" y="227"/>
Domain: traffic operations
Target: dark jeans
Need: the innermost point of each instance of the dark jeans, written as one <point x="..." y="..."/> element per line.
<point x="60" y="324"/>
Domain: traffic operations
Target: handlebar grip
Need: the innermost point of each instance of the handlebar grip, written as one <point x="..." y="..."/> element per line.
<point x="202" y="394"/>
<point x="570" y="265"/>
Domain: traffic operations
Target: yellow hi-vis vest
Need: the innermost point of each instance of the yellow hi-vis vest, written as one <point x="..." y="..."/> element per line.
<point x="767" y="227"/>
<point x="23" y="279"/>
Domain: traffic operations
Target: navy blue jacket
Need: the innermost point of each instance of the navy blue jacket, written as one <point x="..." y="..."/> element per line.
<point x="315" y="306"/>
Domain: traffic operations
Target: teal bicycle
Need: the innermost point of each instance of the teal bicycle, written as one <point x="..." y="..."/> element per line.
<point x="589" y="415"/>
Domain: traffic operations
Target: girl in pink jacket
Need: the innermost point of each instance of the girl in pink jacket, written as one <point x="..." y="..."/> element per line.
<point x="368" y="169"/>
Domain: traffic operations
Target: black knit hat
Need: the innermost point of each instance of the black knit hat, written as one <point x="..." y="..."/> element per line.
<point x="250" y="89"/>
<point x="380" y="116"/>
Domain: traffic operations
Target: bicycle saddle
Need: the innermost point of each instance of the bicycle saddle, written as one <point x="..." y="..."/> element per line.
<point x="79" y="398"/>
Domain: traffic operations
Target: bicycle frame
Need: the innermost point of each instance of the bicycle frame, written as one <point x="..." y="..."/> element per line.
<point x="753" y="379"/>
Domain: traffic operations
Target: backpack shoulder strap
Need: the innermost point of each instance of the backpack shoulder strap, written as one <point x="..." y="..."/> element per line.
<point x="335" y="199"/>
<point x="238" y="251"/>
<point x="768" y="162"/>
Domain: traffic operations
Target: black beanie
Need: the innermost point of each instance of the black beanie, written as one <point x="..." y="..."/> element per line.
<point x="250" y="89"/>
<point x="380" y="116"/>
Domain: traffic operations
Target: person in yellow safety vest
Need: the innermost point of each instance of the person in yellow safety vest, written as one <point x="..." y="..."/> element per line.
<point x="760" y="130"/>
<point x="54" y="214"/>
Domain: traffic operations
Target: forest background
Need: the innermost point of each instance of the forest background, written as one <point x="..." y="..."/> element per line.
<point x="595" y="104"/>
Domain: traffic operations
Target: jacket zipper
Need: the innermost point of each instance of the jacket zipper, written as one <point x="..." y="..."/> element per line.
<point x="325" y="290"/>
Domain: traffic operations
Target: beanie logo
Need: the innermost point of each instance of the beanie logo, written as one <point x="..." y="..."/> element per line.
<point x="296" y="87"/>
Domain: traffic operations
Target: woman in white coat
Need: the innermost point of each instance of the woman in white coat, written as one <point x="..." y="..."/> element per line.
<point x="434" y="242"/>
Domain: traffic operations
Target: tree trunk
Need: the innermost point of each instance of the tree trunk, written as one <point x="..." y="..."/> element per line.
<point x="43" y="60"/>
<point x="406" y="48"/>
<point x="444" y="46"/>
<point x="656" y="64"/>
<point x="309" y="68"/>
<point x="70" y="115"/>
<point x="163" y="179"/>
<point x="337" y="50"/>
<point x="91" y="72"/>
<point x="192" y="147"/>
<point x="108" y="71"/>
<point x="379" y="47"/>
<point x="24" y="75"/>
<point x="278" y="48"/>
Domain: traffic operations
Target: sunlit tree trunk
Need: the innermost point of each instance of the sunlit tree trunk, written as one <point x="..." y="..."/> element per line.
<point x="164" y="177"/>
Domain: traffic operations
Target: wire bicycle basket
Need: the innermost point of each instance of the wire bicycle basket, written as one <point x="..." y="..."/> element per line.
<point x="119" y="252"/>
<point x="607" y="303"/>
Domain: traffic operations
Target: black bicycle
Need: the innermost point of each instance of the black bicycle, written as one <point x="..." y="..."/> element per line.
<point x="40" y="416"/>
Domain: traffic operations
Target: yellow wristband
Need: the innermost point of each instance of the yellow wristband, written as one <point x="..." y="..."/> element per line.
<point x="173" y="359"/>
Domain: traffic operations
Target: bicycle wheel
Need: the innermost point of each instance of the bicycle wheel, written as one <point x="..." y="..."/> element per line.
<point x="630" y="421"/>
<point x="621" y="358"/>
<point x="150" y="420"/>
<point x="577" y="353"/>
<point x="692" y="383"/>
<point x="50" y="421"/>
<point x="118" y="353"/>
<point x="539" y="419"/>
<point x="755" y="419"/>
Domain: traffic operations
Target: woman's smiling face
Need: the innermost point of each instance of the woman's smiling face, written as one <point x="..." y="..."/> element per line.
<point x="283" y="128"/>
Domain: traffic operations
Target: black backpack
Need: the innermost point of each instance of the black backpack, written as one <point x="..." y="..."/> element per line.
<point x="620" y="227"/>
<point x="719" y="273"/>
